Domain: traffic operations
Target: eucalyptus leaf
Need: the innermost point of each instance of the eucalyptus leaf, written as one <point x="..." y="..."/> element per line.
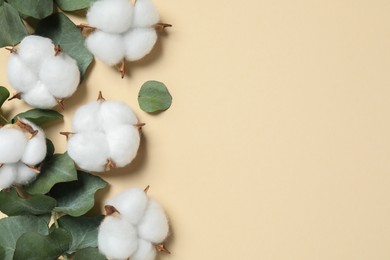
<point x="4" y="95"/>
<point x="33" y="8"/>
<point x="13" y="227"/>
<point x="91" y="253"/>
<point x="56" y="169"/>
<point x="12" y="29"/>
<point x="11" y="204"/>
<point x="154" y="96"/>
<point x="40" y="116"/>
<point x="77" y="197"/>
<point x="84" y="231"/>
<point x="50" y="148"/>
<point x="63" y="31"/>
<point x="1" y="2"/>
<point x="2" y="252"/>
<point x="73" y="5"/>
<point x="34" y="246"/>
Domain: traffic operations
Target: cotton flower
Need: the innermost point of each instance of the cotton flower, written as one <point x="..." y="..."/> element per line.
<point x="22" y="147"/>
<point x="41" y="75"/>
<point x="136" y="231"/>
<point x="105" y="136"/>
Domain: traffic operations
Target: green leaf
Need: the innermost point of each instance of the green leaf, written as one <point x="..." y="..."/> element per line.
<point x="11" y="204"/>
<point x="12" y="29"/>
<point x="34" y="246"/>
<point x="2" y="252"/>
<point x="154" y="96"/>
<point x="50" y="148"/>
<point x="4" y="95"/>
<point x="77" y="197"/>
<point x="13" y="227"/>
<point x="63" y="31"/>
<point x="73" y="5"/>
<point x="56" y="169"/>
<point x="33" y="8"/>
<point x="40" y="116"/>
<point x="91" y="253"/>
<point x="84" y="231"/>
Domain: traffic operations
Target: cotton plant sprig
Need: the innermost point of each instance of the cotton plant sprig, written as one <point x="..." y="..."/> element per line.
<point x="122" y="30"/>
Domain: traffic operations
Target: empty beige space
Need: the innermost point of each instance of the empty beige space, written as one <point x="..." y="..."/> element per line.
<point x="277" y="145"/>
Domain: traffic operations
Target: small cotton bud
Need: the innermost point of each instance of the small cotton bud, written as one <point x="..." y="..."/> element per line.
<point x="24" y="174"/>
<point x="60" y="75"/>
<point x="12" y="145"/>
<point x="39" y="97"/>
<point x="33" y="50"/>
<point x="107" y="47"/>
<point x="113" y="16"/>
<point x="154" y="224"/>
<point x="87" y="118"/>
<point x="35" y="150"/>
<point x="131" y="204"/>
<point x="89" y="150"/>
<point x="19" y="75"/>
<point x="145" y="251"/>
<point x="7" y="175"/>
<point x="145" y="14"/>
<point x="117" y="239"/>
<point x="139" y="42"/>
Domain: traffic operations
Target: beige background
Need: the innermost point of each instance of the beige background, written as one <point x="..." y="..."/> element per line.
<point x="277" y="144"/>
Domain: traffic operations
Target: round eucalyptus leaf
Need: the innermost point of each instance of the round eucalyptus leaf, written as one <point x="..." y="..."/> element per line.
<point x="12" y="29"/>
<point x="33" y="8"/>
<point x="154" y="96"/>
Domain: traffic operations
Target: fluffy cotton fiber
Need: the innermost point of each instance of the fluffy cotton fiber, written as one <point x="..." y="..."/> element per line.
<point x="123" y="30"/>
<point x="104" y="136"/>
<point x="41" y="76"/>
<point x="20" y="151"/>
<point x="136" y="212"/>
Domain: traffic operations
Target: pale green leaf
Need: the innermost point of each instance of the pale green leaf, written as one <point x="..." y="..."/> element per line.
<point x="40" y="116"/>
<point x="73" y="5"/>
<point x="33" y="8"/>
<point x="56" y="169"/>
<point x="154" y="96"/>
<point x="13" y="227"/>
<point x="12" y="29"/>
<point x="34" y="246"/>
<point x="77" y="197"/>
<point x="11" y="204"/>
<point x="91" y="253"/>
<point x="63" y="31"/>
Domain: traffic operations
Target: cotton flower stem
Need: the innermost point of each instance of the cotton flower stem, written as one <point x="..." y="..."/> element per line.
<point x="147" y="189"/>
<point x="110" y="210"/>
<point x="86" y="29"/>
<point x="1" y="165"/>
<point x="122" y="67"/>
<point x="34" y="169"/>
<point x="139" y="125"/>
<point x="12" y="50"/>
<point x="16" y="95"/>
<point x="60" y="102"/>
<point x="100" y="97"/>
<point x="67" y="134"/>
<point x="26" y="127"/>
<point x="162" y="26"/>
<point x="161" y="248"/>
<point x="110" y="165"/>
<point x="54" y="215"/>
<point x="58" y="50"/>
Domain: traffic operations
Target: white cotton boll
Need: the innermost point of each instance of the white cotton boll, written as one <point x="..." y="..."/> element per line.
<point x="123" y="143"/>
<point x="60" y="75"/>
<point x="109" y="48"/>
<point x="145" y="251"/>
<point x="139" y="42"/>
<point x="117" y="239"/>
<point x="154" y="224"/>
<point x="19" y="75"/>
<point x="87" y="118"/>
<point x="35" y="150"/>
<point x="24" y="175"/>
<point x="12" y="144"/>
<point x="113" y="16"/>
<point x="89" y="150"/>
<point x="7" y="175"/>
<point x="131" y="204"/>
<point x="33" y="50"/>
<point x="116" y="113"/>
<point x="145" y="14"/>
<point x="39" y="97"/>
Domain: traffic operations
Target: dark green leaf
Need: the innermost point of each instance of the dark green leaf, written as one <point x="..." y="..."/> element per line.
<point x="34" y="246"/>
<point x="12" y="29"/>
<point x="50" y="148"/>
<point x="63" y="31"/>
<point x="11" y="204"/>
<point x="4" y="95"/>
<point x="58" y="168"/>
<point x="154" y="96"/>
<point x="73" y="5"/>
<point x="77" y="197"/>
<point x="2" y="252"/>
<point x="33" y="8"/>
<point x="40" y="116"/>
<point x="13" y="227"/>
<point x="1" y="2"/>
<point x="84" y="231"/>
<point x="91" y="253"/>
